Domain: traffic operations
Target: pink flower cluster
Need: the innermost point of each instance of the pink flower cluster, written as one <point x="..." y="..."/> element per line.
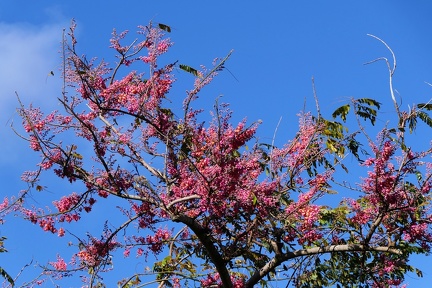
<point x="213" y="280"/>
<point x="157" y="240"/>
<point x="96" y="251"/>
<point x="306" y="145"/>
<point x="225" y="179"/>
<point x="4" y="204"/>
<point x="60" y="264"/>
<point x="416" y="232"/>
<point x="66" y="203"/>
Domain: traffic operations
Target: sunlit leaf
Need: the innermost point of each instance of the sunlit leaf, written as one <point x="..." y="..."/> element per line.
<point x="254" y="200"/>
<point x="342" y="112"/>
<point x="189" y="69"/>
<point x="77" y="156"/>
<point x="419" y="272"/>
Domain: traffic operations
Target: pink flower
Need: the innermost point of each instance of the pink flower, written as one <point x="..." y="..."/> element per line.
<point x="46" y="164"/>
<point x="60" y="264"/>
<point x="4" y="204"/>
<point x="61" y="232"/>
<point x="67" y="202"/>
<point x="34" y="144"/>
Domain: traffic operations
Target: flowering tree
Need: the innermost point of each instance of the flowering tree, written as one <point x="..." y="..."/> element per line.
<point x="217" y="207"/>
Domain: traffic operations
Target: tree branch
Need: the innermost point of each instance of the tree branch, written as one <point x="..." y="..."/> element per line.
<point x="279" y="259"/>
<point x="205" y="239"/>
<point x="181" y="200"/>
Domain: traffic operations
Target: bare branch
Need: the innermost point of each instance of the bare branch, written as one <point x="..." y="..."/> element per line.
<point x="391" y="69"/>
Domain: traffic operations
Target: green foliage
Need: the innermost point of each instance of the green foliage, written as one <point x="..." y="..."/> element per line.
<point x="164" y="27"/>
<point x="342" y="112"/>
<point x="334" y="132"/>
<point x="425" y="118"/>
<point x="364" y="108"/>
<point x="338" y="141"/>
<point x="6" y="276"/>
<point x="340" y="269"/>
<point x="189" y="69"/>
<point x="3" y="272"/>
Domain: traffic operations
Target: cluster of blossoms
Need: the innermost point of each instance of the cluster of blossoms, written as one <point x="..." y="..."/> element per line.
<point x="60" y="264"/>
<point x="225" y="180"/>
<point x="213" y="280"/>
<point x="67" y="202"/>
<point x="96" y="252"/>
<point x="153" y="243"/>
<point x="157" y="240"/>
<point x="306" y="145"/>
<point x="386" y="190"/>
<point x="308" y="213"/>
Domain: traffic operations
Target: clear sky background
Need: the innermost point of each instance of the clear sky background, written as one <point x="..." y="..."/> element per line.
<point x="278" y="46"/>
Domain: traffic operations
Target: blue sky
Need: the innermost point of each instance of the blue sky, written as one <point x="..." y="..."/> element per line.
<point x="278" y="46"/>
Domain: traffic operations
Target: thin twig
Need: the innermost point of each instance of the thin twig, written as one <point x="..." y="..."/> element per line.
<point x="273" y="140"/>
<point x="316" y="98"/>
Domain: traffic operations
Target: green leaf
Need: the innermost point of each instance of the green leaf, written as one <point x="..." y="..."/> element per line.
<point x="418" y="175"/>
<point x="370" y="102"/>
<point x="419" y="272"/>
<point x="254" y="200"/>
<point x="353" y="146"/>
<point x="6" y="276"/>
<point x="412" y="123"/>
<point x="366" y="115"/>
<point x="365" y="112"/>
<point x="165" y="27"/>
<point x="167" y="112"/>
<point x="236" y="153"/>
<point x="166" y="261"/>
<point x="425" y="118"/>
<point x="185" y="149"/>
<point x="334" y="130"/>
<point x="427" y="106"/>
<point x="342" y="112"/>
<point x="189" y="69"/>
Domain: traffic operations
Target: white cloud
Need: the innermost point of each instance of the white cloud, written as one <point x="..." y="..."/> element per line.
<point x="27" y="55"/>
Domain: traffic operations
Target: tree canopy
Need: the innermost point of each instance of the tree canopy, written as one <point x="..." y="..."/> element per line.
<point x="218" y="206"/>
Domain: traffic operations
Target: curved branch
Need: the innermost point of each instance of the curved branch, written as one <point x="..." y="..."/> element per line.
<point x="391" y="70"/>
<point x="181" y="200"/>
